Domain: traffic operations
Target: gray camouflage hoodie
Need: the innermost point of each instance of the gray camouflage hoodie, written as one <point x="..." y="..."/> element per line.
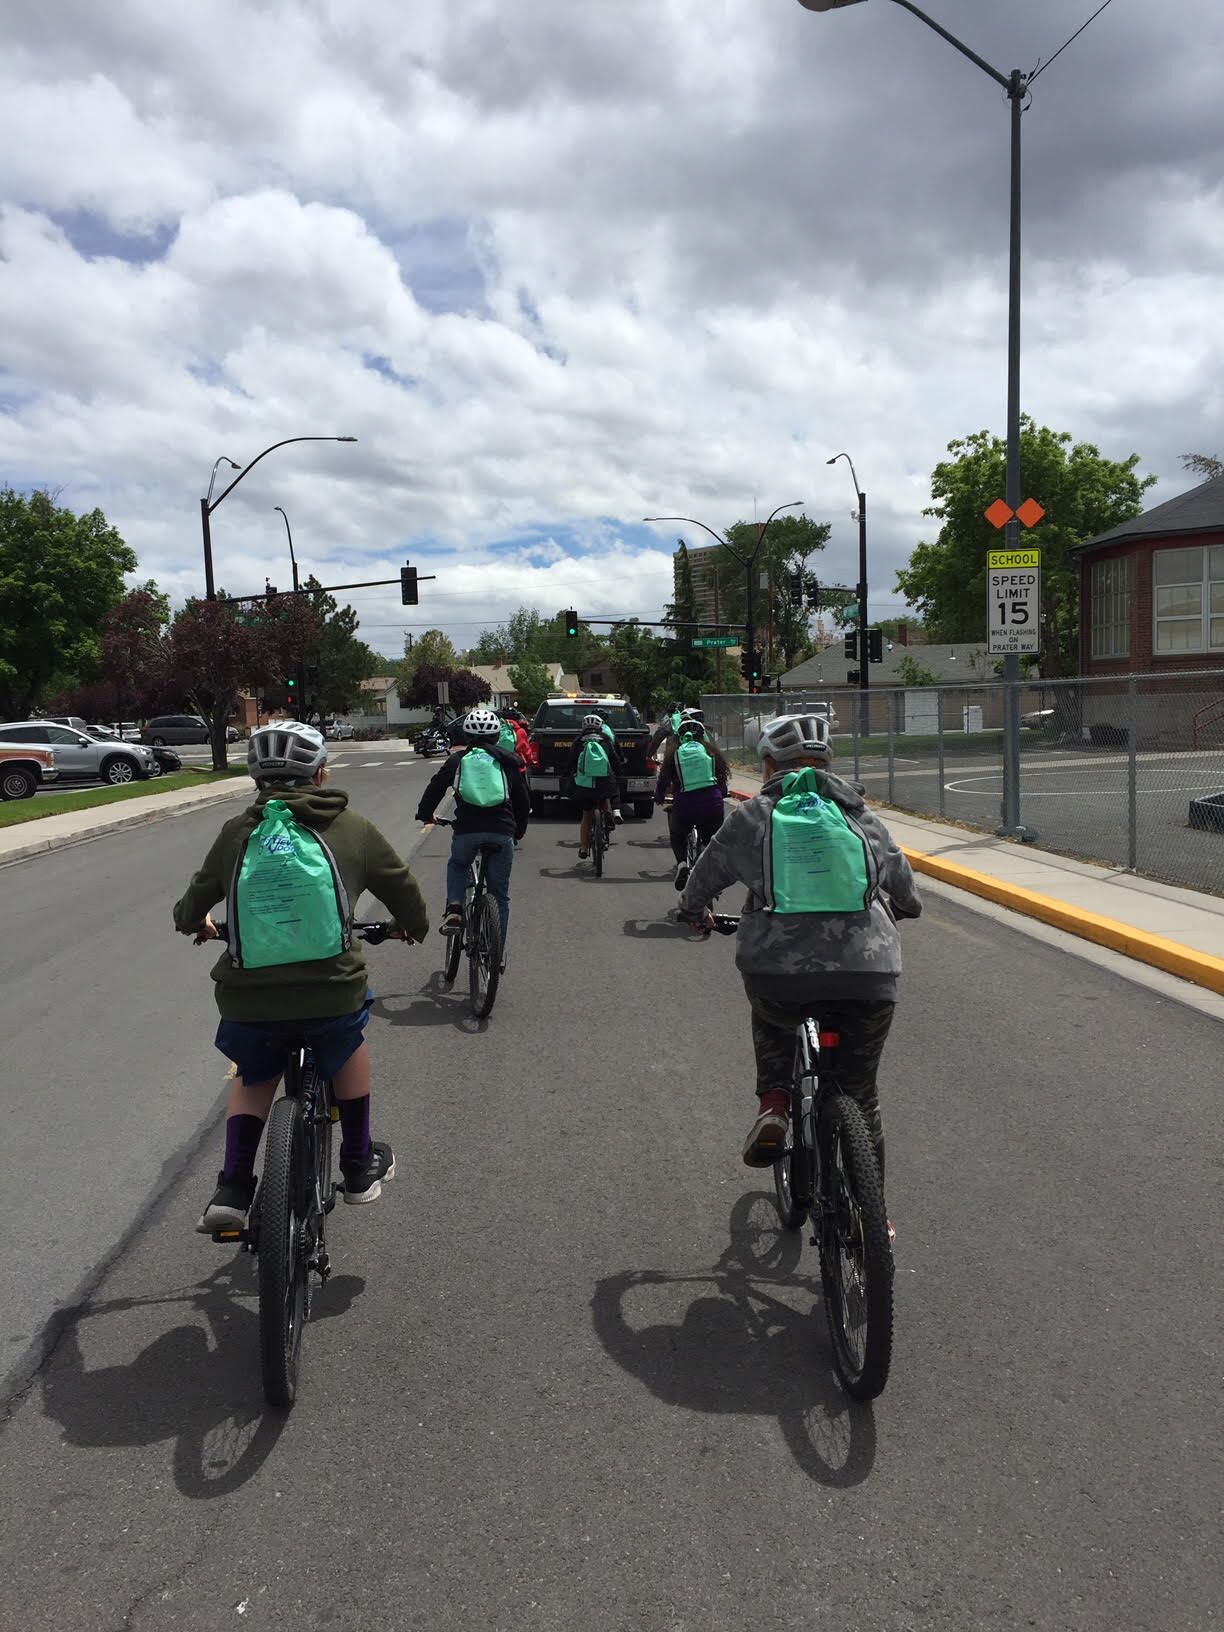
<point x="793" y="957"/>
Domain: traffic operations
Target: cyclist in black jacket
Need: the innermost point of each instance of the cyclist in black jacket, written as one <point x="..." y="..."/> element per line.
<point x="500" y="824"/>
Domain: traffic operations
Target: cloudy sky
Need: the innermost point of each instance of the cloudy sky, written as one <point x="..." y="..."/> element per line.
<point x="561" y="265"/>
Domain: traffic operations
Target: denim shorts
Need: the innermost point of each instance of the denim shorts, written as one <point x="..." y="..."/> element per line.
<point x="260" y="1048"/>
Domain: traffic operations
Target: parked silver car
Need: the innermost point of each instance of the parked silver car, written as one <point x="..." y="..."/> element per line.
<point x="80" y="757"/>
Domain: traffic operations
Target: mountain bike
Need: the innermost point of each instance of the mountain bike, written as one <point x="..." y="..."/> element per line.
<point x="828" y="1172"/>
<point x="480" y="935"/>
<point x="286" y="1229"/>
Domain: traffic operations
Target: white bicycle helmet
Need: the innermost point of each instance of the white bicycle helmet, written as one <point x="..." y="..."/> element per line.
<point x="286" y="751"/>
<point x="481" y="722"/>
<point x="692" y="727"/>
<point x="795" y="736"/>
<point x="592" y="722"/>
<point x="692" y="714"/>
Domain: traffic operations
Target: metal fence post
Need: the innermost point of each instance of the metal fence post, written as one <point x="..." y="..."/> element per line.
<point x="939" y="738"/>
<point x="1132" y="774"/>
<point x="892" y="747"/>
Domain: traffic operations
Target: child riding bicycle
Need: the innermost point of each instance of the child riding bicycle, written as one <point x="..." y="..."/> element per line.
<point x="492" y="808"/>
<point x="815" y="936"/>
<point x="595" y="766"/>
<point x="696" y="772"/>
<point x="292" y="867"/>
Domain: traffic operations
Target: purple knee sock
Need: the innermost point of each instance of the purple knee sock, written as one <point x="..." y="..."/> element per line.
<point x="355" y="1129"/>
<point x="242" y="1136"/>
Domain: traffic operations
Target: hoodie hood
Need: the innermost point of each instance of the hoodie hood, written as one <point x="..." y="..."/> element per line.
<point x="831" y="786"/>
<point x="313" y="807"/>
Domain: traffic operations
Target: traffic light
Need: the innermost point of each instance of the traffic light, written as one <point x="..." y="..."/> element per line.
<point x="408" y="585"/>
<point x="766" y="681"/>
<point x="813" y="593"/>
<point x="292" y="685"/>
<point x="571" y="624"/>
<point x="850" y="644"/>
<point x="269" y="590"/>
<point x="795" y="588"/>
<point x="745" y="666"/>
<point x="853" y="677"/>
<point x="875" y="645"/>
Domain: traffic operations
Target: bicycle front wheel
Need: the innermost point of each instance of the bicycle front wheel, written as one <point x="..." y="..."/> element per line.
<point x="454" y="952"/>
<point x="282" y="1258"/>
<point x="484" y="956"/>
<point x="855" y="1259"/>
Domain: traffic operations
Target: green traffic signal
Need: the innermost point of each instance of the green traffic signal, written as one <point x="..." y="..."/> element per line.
<point x="571" y="624"/>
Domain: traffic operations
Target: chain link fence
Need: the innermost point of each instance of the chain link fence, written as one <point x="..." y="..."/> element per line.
<point x="1127" y="770"/>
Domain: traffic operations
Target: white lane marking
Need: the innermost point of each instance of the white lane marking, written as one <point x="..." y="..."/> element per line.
<point x="367" y="763"/>
<point x="407" y="762"/>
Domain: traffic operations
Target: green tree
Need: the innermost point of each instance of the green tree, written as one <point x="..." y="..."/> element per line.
<point x="910" y="672"/>
<point x="641" y="664"/>
<point x="336" y="662"/>
<point x="466" y="689"/>
<point x="1082" y="493"/>
<point x="531" y="681"/>
<point x="1205" y="465"/>
<point x="59" y="575"/>
<point x="133" y="656"/>
<point x="782" y="629"/>
<point x="433" y="650"/>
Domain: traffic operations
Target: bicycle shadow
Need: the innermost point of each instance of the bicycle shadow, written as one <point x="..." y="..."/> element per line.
<point x="652" y="929"/>
<point x="205" y="1395"/>
<point x="743" y="1347"/>
<point x="439" y="1003"/>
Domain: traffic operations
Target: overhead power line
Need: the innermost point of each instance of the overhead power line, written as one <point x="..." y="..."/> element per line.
<point x="1074" y="37"/>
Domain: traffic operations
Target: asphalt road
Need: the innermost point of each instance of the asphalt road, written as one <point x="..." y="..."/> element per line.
<point x="567" y="1373"/>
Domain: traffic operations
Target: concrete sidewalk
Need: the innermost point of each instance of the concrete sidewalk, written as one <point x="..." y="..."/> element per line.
<point x="1180" y="931"/>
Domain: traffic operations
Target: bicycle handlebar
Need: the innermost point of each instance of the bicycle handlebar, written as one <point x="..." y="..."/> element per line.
<point x="374" y="931"/>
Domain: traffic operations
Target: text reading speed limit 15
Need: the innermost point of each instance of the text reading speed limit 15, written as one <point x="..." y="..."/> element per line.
<point x="1013" y="608"/>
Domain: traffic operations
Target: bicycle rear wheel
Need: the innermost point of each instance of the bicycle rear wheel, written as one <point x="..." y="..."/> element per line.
<point x="855" y="1259"/>
<point x="484" y="956"/>
<point x="282" y="1258"/>
<point x="598" y="842"/>
<point x="454" y="952"/>
<point x="692" y="849"/>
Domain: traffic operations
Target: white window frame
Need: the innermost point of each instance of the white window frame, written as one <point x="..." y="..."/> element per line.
<point x="1205" y="584"/>
<point x="1110" y="603"/>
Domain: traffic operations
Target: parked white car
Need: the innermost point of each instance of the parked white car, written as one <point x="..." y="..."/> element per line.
<point x="81" y="757"/>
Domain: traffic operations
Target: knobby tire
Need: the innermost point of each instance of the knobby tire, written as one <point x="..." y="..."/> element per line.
<point x="597" y="844"/>
<point x="282" y="1262"/>
<point x="485" y="956"/>
<point x="792" y="1184"/>
<point x="865" y="1294"/>
<point x="454" y="955"/>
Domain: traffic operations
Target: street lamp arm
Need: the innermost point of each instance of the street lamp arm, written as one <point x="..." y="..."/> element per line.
<point x="853" y="472"/>
<point x="795" y="504"/>
<point x="694" y="523"/>
<point x="247" y="469"/>
<point x="1001" y="79"/>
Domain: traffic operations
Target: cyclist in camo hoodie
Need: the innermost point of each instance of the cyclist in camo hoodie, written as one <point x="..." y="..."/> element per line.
<point x="842" y="967"/>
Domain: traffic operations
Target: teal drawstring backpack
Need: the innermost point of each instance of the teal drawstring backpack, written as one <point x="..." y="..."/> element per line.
<point x="694" y="766"/>
<point x="481" y="779"/>
<point x="816" y="858"/>
<point x="593" y="764"/>
<point x="505" y="737"/>
<point x="287" y="902"/>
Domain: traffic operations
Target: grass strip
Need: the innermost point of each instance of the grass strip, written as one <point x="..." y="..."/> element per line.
<point x="16" y="811"/>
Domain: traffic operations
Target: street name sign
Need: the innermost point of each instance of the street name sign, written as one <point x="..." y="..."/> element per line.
<point x="716" y="640"/>
<point x="1013" y="601"/>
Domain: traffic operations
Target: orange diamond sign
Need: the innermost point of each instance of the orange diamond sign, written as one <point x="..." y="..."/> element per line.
<point x="999" y="514"/>
<point x="1030" y="513"/>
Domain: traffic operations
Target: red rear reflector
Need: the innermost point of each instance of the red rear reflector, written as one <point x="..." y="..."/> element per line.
<point x="829" y="1039"/>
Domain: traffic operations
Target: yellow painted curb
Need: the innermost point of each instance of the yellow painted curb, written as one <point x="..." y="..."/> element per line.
<point x="1200" y="967"/>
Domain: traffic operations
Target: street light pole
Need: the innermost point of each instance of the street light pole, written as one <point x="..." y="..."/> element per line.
<point x="748" y="563"/>
<point x="863" y="642"/>
<point x="1016" y="85"/>
<point x="301" y="666"/>
<point x="209" y="504"/>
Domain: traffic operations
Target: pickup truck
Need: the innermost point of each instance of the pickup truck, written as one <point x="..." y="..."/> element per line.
<point x="24" y="768"/>
<point x="556" y="727"/>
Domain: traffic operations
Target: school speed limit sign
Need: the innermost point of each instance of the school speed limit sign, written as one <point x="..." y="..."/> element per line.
<point x="1013" y="601"/>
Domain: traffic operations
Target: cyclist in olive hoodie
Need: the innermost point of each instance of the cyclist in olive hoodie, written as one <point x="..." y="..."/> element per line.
<point x="325" y="1001"/>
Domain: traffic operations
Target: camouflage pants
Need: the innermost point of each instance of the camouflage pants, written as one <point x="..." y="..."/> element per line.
<point x="862" y="1028"/>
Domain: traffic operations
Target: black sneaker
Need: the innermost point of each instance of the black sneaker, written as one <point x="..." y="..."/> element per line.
<point x="453" y="919"/>
<point x="229" y="1206"/>
<point x="681" y="877"/>
<point x="363" y="1181"/>
<point x="583" y="854"/>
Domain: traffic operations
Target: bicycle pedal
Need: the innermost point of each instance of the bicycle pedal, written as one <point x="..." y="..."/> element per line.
<point x="227" y="1237"/>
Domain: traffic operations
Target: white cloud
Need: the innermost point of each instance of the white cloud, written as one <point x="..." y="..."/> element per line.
<point x="561" y="267"/>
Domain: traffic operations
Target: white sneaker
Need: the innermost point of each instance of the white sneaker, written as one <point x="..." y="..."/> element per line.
<point x="617" y="817"/>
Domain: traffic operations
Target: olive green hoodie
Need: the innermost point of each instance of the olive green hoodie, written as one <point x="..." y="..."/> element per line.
<point x="325" y="986"/>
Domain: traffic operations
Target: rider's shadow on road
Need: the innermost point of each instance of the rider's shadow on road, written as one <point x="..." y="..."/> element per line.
<point x="197" y="1384"/>
<point x="752" y="1341"/>
<point x="439" y="1004"/>
<point x="654" y="929"/>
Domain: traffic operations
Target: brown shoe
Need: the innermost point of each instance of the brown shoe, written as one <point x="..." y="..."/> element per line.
<point x="766" y="1141"/>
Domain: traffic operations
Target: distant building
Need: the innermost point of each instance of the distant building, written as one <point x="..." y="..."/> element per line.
<point x="703" y="563"/>
<point x="964" y="663"/>
<point x="1152" y="589"/>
